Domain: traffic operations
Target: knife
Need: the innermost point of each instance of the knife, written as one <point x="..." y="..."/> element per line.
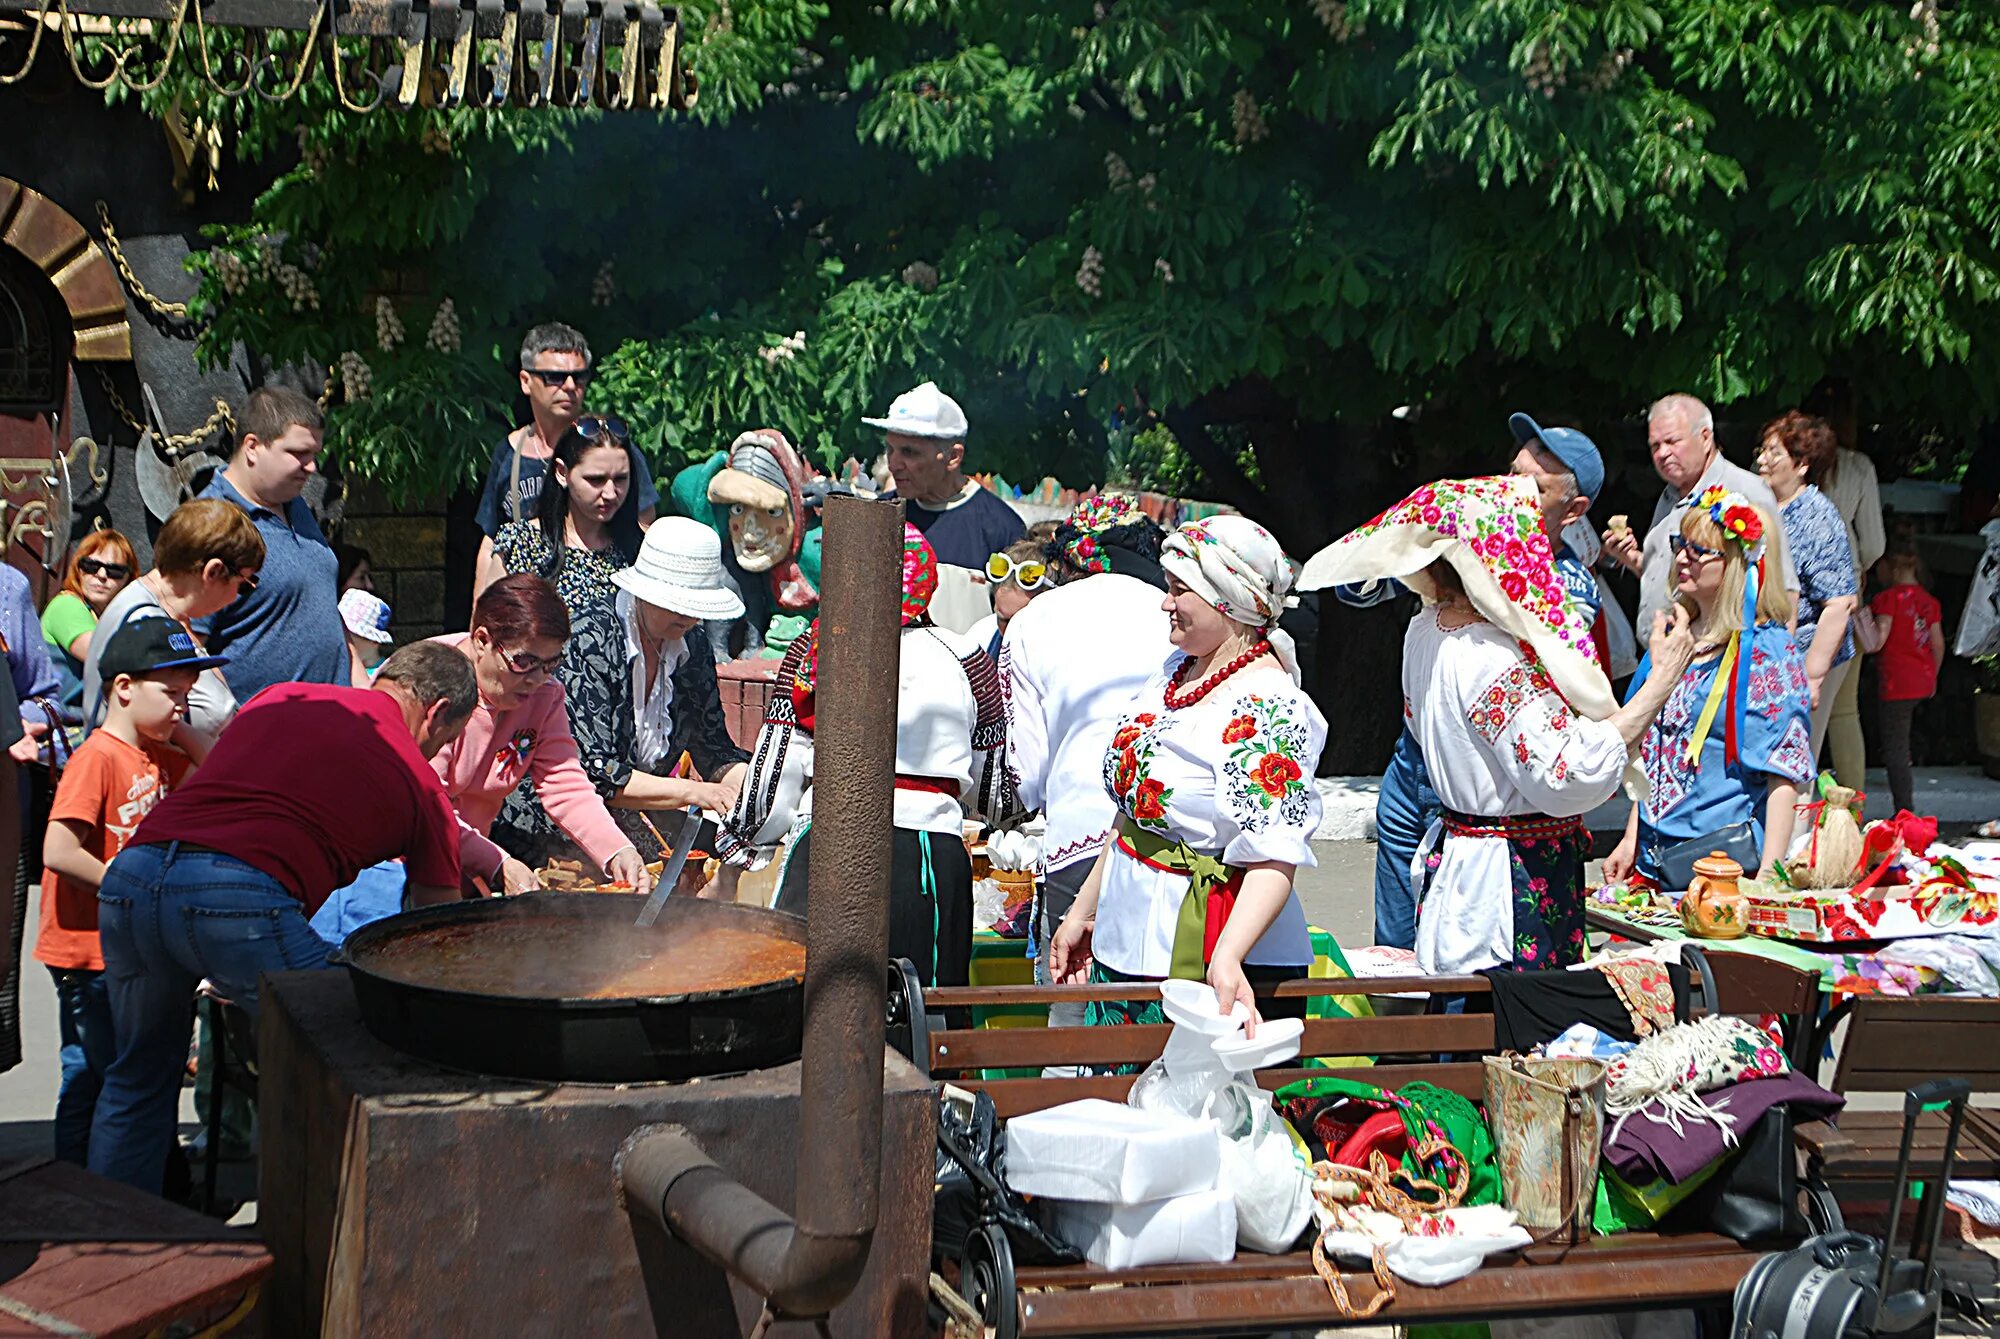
<point x="670" y="875"/>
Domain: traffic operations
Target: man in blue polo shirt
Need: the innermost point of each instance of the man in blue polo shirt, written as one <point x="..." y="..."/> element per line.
<point x="286" y="628"/>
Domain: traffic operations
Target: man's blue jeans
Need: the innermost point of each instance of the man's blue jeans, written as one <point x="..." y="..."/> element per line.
<point x="168" y="917"/>
<point x="1404" y="810"/>
<point x="83" y="1022"/>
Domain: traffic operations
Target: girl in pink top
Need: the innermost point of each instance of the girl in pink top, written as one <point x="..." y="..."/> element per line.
<point x="520" y="729"/>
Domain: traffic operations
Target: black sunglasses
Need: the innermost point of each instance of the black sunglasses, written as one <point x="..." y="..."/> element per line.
<point x="556" y="377"/>
<point x="1679" y="542"/>
<point x="97" y="567"/>
<point x="591" y="427"/>
<point x="245" y="583"/>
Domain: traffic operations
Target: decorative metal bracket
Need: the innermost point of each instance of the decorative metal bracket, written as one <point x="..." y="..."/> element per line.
<point x="613" y="54"/>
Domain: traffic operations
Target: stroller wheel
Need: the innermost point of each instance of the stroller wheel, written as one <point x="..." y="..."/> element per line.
<point x="986" y="1280"/>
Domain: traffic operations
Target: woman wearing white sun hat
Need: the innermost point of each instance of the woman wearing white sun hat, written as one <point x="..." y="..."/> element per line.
<point x="643" y="691"/>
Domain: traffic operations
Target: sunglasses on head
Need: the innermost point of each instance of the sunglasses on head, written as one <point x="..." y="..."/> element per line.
<point x="1681" y="543"/>
<point x="521" y="662"/>
<point x="97" y="567"/>
<point x="1029" y="575"/>
<point x="595" y="427"/>
<point x="554" y="377"/>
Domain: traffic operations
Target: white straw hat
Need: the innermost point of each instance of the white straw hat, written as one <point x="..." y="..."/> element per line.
<point x="924" y="412"/>
<point x="680" y="569"/>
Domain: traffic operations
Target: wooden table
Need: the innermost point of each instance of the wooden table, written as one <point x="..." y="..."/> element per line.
<point x="80" y="1255"/>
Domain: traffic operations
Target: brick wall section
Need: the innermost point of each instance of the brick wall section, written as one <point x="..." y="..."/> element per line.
<point x="406" y="549"/>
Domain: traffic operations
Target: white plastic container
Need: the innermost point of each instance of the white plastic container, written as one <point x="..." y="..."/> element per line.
<point x="1109" y="1153"/>
<point x="1184" y="1230"/>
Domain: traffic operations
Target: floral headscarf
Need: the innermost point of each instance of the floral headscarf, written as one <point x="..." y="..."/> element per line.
<point x="920" y="575"/>
<point x="1091" y="517"/>
<point x="920" y="582"/>
<point x="1490" y="531"/>
<point x="1233" y="563"/>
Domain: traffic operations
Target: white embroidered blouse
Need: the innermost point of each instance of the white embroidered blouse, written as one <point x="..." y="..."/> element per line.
<point x="1497" y="739"/>
<point x="1232" y="777"/>
<point x="950" y="729"/>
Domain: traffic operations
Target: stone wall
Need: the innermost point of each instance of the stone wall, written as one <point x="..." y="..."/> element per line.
<point x="407" y="550"/>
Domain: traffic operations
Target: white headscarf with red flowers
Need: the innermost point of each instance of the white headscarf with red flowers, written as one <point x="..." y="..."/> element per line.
<point x="1234" y="563"/>
<point x="1490" y="531"/>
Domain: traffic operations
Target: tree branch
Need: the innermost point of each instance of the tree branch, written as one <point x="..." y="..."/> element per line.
<point x="1190" y="429"/>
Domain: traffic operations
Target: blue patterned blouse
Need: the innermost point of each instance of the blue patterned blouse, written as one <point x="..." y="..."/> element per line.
<point x="1825" y="559"/>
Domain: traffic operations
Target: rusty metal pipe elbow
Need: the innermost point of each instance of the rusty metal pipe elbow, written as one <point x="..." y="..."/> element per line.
<point x="808" y="1262"/>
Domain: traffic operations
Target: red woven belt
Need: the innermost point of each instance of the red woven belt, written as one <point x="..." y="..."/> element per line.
<point x="1512" y="826"/>
<point x="930" y="785"/>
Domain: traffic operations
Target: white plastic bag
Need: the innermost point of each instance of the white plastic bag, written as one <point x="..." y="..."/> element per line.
<point x="1979" y="630"/>
<point x="1203" y="1072"/>
<point x="1185" y="1230"/>
<point x="1469" y="1236"/>
<point x="1109" y="1153"/>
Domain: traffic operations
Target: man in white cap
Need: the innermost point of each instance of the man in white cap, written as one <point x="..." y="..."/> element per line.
<point x="963" y="522"/>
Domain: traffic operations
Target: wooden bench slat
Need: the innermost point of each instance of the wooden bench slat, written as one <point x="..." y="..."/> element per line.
<point x="981" y="997"/>
<point x="1298" y="1264"/>
<point x="1496" y="1291"/>
<point x="1008" y="1048"/>
<point x="1014" y="1097"/>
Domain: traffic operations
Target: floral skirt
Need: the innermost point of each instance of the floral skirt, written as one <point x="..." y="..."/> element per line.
<point x="1548" y="899"/>
<point x="1546" y="878"/>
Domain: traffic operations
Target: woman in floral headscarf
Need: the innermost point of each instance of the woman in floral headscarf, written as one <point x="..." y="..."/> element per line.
<point x="1516" y="721"/>
<point x="1734" y="741"/>
<point x="950" y="763"/>
<point x="1212" y="773"/>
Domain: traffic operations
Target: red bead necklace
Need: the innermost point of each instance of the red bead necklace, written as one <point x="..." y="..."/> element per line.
<point x="1176" y="699"/>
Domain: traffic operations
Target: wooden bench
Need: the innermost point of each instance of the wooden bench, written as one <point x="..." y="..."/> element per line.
<point x="80" y="1255"/>
<point x="1892" y="1045"/>
<point x="1635" y="1271"/>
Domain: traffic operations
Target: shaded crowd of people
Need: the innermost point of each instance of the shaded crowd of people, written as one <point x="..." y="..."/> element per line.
<point x="259" y="773"/>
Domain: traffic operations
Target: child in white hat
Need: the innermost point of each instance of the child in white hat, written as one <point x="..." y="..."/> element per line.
<point x="368" y="637"/>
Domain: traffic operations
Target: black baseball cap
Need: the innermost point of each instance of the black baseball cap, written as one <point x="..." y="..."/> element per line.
<point x="145" y="645"/>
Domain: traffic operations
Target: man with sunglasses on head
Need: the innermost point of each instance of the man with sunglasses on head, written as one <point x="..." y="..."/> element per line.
<point x="285" y="626"/>
<point x="555" y="377"/>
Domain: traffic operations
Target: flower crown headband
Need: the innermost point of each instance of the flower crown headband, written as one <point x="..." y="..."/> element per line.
<point x="1735" y="517"/>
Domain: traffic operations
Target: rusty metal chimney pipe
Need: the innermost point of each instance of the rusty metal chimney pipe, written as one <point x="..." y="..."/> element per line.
<point x="808" y="1264"/>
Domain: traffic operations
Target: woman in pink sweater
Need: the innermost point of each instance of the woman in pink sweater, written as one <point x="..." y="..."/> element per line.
<point x="520" y="729"/>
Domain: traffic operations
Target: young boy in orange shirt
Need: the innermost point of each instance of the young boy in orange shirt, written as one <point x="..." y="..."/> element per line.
<point x="113" y="780"/>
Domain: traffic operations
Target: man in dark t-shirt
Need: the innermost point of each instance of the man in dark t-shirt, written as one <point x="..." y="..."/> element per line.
<point x="965" y="524"/>
<point x="555" y="375"/>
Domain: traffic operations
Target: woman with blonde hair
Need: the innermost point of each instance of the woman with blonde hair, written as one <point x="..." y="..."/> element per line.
<point x="1729" y="751"/>
<point x="98" y="568"/>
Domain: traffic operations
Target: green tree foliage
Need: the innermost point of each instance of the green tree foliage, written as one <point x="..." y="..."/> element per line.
<point x="1264" y="224"/>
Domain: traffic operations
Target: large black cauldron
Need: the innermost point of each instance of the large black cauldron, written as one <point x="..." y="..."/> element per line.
<point x="563" y="986"/>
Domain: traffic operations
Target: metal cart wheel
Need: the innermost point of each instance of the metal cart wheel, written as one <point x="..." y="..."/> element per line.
<point x="986" y="1280"/>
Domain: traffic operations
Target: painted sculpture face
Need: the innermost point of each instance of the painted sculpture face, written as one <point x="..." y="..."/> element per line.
<point x="761" y="536"/>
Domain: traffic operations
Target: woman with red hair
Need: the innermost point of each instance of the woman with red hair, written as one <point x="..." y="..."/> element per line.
<point x="519" y="731"/>
<point x="99" y="567"/>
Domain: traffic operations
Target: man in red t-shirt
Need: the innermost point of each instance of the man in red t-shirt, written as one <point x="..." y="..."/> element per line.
<point x="310" y="784"/>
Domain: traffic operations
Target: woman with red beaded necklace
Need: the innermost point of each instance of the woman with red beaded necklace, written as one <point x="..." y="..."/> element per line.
<point x="1212" y="774"/>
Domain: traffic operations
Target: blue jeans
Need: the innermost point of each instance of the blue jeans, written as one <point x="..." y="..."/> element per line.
<point x="169" y="916"/>
<point x="1404" y="810"/>
<point x="83" y="1022"/>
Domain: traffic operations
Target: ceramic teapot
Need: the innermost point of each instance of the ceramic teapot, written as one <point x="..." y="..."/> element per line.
<point x="1713" y="906"/>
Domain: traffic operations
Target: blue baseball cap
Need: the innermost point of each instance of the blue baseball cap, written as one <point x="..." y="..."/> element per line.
<point x="1569" y="446"/>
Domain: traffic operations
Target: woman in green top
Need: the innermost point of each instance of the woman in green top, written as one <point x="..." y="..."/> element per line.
<point x="99" y="567"/>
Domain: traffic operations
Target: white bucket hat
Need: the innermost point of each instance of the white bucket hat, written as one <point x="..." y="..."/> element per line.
<point x="924" y="412"/>
<point x="366" y="616"/>
<point x="680" y="569"/>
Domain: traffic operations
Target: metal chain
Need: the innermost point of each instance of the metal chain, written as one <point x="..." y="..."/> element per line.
<point x="173" y="311"/>
<point x="172" y="443"/>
